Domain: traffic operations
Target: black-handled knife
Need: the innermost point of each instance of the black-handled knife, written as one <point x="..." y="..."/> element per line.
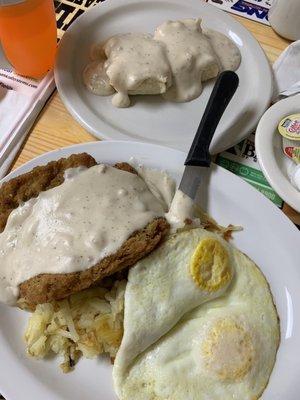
<point x="198" y="156"/>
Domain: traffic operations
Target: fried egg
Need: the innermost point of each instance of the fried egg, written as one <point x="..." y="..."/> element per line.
<point x="222" y="332"/>
<point x="189" y="269"/>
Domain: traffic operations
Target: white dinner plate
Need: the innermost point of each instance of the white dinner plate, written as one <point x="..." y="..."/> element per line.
<point x="152" y="119"/>
<point x="269" y="238"/>
<point x="268" y="144"/>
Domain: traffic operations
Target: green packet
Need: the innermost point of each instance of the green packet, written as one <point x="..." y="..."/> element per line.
<point x="242" y="161"/>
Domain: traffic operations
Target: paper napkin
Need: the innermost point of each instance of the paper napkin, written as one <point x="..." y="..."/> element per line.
<point x="21" y="100"/>
<point x="287" y="72"/>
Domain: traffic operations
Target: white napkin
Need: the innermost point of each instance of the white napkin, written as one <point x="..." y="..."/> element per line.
<point x="287" y="72"/>
<point x="19" y="108"/>
<point x="12" y="105"/>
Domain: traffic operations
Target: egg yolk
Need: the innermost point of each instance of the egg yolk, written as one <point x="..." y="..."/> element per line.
<point x="210" y="267"/>
<point x="228" y="350"/>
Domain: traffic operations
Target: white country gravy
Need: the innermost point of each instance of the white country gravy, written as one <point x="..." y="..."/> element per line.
<point x="96" y="79"/>
<point x="130" y="67"/>
<point x="73" y="226"/>
<point x="174" y="62"/>
<point x="181" y="208"/>
<point x="159" y="182"/>
<point x="192" y="58"/>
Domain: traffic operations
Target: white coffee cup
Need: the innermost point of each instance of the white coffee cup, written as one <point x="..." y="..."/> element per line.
<point x="284" y="17"/>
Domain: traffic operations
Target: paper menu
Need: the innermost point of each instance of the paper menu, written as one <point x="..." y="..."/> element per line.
<point x="256" y="10"/>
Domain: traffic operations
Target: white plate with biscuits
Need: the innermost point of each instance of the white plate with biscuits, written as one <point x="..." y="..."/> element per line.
<point x="150" y="118"/>
<point x="268" y="237"/>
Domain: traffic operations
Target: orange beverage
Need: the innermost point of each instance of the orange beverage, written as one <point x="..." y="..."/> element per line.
<point x="28" y="35"/>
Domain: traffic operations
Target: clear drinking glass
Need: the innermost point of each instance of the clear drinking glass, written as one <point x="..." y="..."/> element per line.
<point x="28" y="35"/>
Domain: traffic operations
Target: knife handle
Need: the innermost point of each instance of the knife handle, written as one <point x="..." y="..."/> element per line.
<point x="220" y="97"/>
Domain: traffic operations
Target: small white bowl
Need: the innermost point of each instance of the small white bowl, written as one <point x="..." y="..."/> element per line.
<point x="268" y="143"/>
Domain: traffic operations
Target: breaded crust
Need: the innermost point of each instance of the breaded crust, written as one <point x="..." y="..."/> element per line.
<point x="48" y="287"/>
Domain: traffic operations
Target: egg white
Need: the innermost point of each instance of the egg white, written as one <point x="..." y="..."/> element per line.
<point x="223" y="349"/>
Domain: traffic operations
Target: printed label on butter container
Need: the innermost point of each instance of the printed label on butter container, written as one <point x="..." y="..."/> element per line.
<point x="289" y="127"/>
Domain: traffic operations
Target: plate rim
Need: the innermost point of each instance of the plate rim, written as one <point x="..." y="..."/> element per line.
<point x="102" y="128"/>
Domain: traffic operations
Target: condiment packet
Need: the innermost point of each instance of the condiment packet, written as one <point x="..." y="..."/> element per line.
<point x="289" y="129"/>
<point x="291" y="150"/>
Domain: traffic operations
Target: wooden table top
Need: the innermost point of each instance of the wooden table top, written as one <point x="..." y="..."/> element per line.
<point x="56" y="128"/>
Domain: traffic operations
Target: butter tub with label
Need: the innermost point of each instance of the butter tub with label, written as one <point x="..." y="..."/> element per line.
<point x="278" y="165"/>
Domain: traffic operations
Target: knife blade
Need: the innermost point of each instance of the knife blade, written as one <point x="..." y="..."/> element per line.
<point x="199" y="159"/>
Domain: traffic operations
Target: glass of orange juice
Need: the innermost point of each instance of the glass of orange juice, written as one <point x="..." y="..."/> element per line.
<point x="28" y="35"/>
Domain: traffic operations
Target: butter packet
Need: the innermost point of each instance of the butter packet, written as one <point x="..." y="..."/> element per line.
<point x="289" y="129"/>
